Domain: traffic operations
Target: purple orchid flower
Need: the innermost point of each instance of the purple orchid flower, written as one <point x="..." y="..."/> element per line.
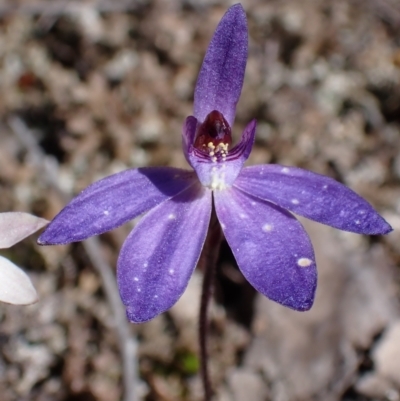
<point x="253" y="204"/>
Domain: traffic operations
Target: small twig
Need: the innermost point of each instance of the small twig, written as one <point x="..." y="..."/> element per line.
<point x="128" y="344"/>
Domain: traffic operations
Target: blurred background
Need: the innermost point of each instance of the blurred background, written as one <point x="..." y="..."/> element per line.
<point x="90" y="88"/>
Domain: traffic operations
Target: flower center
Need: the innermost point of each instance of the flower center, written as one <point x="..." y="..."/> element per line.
<point x="214" y="136"/>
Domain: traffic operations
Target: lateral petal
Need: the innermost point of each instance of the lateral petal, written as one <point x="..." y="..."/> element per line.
<point x="270" y="246"/>
<point x="114" y="200"/>
<point x="221" y="75"/>
<point x="159" y="256"/>
<point x="314" y="196"/>
<point x="188" y="136"/>
<point x="15" y="286"/>
<point x="15" y="226"/>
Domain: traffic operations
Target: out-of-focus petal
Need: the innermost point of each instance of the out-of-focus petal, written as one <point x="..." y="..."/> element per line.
<point x="313" y="196"/>
<point x="221" y="175"/>
<point x="15" y="226"/>
<point x="221" y="76"/>
<point x="270" y="246"/>
<point x="159" y="256"/>
<point x="15" y="286"/>
<point x="114" y="200"/>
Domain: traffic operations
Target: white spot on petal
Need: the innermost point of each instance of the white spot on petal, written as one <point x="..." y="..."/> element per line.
<point x="106" y="212"/>
<point x="139" y="290"/>
<point x="267" y="227"/>
<point x="304" y="262"/>
<point x="295" y="201"/>
<point x="171" y="216"/>
<point x="357" y="222"/>
<point x="242" y="215"/>
<point x="253" y="203"/>
<point x="285" y="170"/>
<point x="171" y="271"/>
<point x="223" y="226"/>
<point x="135" y="279"/>
<point x="145" y="264"/>
<point x="325" y="187"/>
<point x="155" y="296"/>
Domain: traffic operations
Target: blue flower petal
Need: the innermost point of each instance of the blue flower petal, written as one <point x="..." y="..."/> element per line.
<point x="221" y="76"/>
<point x="313" y="196"/>
<point x="114" y="200"/>
<point x="159" y="256"/>
<point x="270" y="246"/>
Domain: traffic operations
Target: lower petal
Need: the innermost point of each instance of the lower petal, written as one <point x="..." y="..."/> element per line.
<point x="271" y="248"/>
<point x="159" y="256"/>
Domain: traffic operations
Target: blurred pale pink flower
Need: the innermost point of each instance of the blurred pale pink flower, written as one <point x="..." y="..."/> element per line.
<point x="15" y="286"/>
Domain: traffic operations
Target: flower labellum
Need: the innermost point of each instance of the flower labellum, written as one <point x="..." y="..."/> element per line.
<point x="15" y="286"/>
<point x="253" y="204"/>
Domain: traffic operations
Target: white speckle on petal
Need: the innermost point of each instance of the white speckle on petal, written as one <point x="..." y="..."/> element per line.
<point x="342" y="213"/>
<point x="223" y="226"/>
<point x="145" y="265"/>
<point x="106" y="212"/>
<point x="171" y="271"/>
<point x="304" y="262"/>
<point x="242" y="215"/>
<point x="155" y="296"/>
<point x="357" y="222"/>
<point x="171" y="216"/>
<point x="139" y="290"/>
<point x="267" y="227"/>
<point x="295" y="201"/>
<point x="253" y="203"/>
<point x="325" y="187"/>
<point x="135" y="279"/>
<point x="285" y="170"/>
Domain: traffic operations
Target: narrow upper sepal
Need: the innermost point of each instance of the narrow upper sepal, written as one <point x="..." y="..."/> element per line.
<point x="114" y="200"/>
<point x="159" y="256"/>
<point x="313" y="196"/>
<point x="270" y="246"/>
<point x="15" y="286"/>
<point x="15" y="226"/>
<point x="221" y="75"/>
